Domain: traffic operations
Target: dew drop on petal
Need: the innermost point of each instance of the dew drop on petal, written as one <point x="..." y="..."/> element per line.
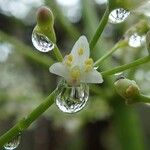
<point x="13" y="143"/>
<point x="118" y="15"/>
<point x="72" y="99"/>
<point x="42" y="42"/>
<point x="135" y="40"/>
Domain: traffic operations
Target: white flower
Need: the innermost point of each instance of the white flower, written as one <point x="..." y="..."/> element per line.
<point x="77" y="67"/>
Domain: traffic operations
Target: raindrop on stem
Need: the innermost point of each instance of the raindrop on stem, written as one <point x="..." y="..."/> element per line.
<point x="119" y="75"/>
<point x="136" y="40"/>
<point x="118" y="15"/>
<point x="42" y="42"/>
<point x="11" y="145"/>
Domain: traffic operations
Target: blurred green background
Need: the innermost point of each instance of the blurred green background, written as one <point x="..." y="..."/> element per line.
<point x="106" y="123"/>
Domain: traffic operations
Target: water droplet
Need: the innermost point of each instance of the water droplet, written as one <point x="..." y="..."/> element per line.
<point x="136" y="40"/>
<point x="118" y="73"/>
<point x="72" y="99"/>
<point x="13" y="143"/>
<point x="96" y="68"/>
<point x="118" y="15"/>
<point x="42" y="42"/>
<point x="119" y="76"/>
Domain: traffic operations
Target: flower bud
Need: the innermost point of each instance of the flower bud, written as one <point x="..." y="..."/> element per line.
<point x="45" y="23"/>
<point x="128" y="89"/>
<point x="148" y="41"/>
<point x="45" y="17"/>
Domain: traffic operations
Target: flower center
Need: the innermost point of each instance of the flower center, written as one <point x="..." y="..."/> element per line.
<point x="75" y="73"/>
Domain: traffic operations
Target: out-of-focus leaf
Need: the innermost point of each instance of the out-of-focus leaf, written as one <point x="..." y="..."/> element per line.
<point x="19" y="92"/>
<point x="144" y="8"/>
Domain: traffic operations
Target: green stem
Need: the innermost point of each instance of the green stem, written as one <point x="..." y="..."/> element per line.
<point x="100" y="29"/>
<point x="27" y="51"/>
<point x="26" y="122"/>
<point x="90" y="17"/>
<point x="144" y="98"/>
<point x="126" y="66"/>
<point x="127" y="126"/>
<point x="58" y="54"/>
<point x="120" y="44"/>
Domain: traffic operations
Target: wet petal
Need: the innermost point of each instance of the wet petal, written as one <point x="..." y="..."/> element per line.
<point x="80" y="51"/>
<point x="59" y="69"/>
<point x="92" y="77"/>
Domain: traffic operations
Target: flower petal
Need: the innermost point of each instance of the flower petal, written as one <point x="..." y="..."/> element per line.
<point x="92" y="77"/>
<point x="59" y="69"/>
<point x="81" y="44"/>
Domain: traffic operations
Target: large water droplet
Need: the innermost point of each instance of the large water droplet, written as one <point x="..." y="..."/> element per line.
<point x="118" y="15"/>
<point x="42" y="42"/>
<point x="13" y="143"/>
<point x="136" y="40"/>
<point x="72" y="99"/>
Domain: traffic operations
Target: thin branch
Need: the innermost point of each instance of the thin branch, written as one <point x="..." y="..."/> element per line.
<point x="120" y="44"/>
<point x="144" y="98"/>
<point x="58" y="54"/>
<point x="126" y="66"/>
<point x="27" y="121"/>
<point x="100" y="29"/>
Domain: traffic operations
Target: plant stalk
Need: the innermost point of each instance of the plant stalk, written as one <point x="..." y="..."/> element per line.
<point x="120" y="44"/>
<point x="100" y="29"/>
<point x="137" y="62"/>
<point x="27" y="121"/>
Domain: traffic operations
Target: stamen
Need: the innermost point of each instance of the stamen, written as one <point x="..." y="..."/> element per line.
<point x="88" y="68"/>
<point x="68" y="60"/>
<point x="89" y="61"/>
<point x="80" y="51"/>
<point x="70" y="57"/>
<point x="68" y="63"/>
<point x="75" y="73"/>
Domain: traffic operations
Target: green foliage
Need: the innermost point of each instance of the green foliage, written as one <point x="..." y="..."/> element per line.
<point x="24" y="91"/>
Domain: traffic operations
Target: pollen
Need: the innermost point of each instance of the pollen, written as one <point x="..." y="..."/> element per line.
<point x="75" y="73"/>
<point x="68" y="60"/>
<point x="68" y="63"/>
<point x="80" y="51"/>
<point x="88" y="68"/>
<point x="89" y="61"/>
<point x="70" y="57"/>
